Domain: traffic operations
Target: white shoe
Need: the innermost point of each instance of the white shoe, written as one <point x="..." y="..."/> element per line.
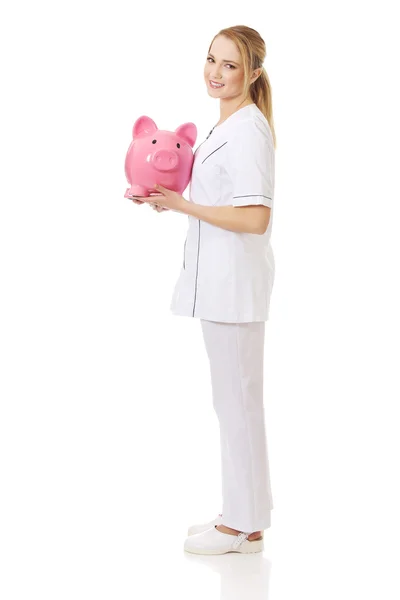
<point x="213" y="541"/>
<point x="203" y="527"/>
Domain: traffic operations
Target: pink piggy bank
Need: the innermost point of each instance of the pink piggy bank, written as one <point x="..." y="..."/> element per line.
<point x="159" y="156"/>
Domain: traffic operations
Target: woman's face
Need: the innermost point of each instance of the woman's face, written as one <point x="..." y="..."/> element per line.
<point x="224" y="65"/>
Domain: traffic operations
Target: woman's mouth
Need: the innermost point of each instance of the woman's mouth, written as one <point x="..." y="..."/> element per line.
<point x="216" y="85"/>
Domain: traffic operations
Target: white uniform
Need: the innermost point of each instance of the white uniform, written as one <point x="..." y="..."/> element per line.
<point x="228" y="276"/>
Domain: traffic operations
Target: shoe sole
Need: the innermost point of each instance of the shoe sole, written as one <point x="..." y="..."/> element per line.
<point x="245" y="548"/>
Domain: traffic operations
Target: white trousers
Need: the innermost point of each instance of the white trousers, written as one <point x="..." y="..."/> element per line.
<point x="236" y="356"/>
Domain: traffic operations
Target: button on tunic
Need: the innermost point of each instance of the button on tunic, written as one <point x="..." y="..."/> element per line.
<point x="228" y="276"/>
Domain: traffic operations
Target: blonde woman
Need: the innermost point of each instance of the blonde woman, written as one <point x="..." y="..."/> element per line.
<point x="226" y="279"/>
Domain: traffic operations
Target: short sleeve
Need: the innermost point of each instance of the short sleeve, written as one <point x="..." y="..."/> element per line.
<point x="250" y="165"/>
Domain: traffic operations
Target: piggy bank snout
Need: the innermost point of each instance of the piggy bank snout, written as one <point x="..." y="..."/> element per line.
<point x="165" y="160"/>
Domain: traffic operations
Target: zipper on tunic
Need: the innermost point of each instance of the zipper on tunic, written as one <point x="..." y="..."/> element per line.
<point x="197" y="270"/>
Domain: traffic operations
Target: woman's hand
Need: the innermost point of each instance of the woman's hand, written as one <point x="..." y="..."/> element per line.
<point x="156" y="206"/>
<point x="167" y="200"/>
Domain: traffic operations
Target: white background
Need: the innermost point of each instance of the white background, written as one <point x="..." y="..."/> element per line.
<point x="109" y="445"/>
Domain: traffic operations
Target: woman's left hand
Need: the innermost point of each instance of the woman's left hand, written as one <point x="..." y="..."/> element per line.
<point x="167" y="199"/>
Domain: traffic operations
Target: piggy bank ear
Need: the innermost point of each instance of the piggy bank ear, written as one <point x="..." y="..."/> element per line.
<point x="188" y="132"/>
<point x="143" y="126"/>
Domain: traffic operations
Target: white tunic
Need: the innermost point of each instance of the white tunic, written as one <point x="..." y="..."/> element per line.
<point x="228" y="276"/>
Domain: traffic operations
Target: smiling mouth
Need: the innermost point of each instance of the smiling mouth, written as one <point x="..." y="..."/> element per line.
<point x="215" y="85"/>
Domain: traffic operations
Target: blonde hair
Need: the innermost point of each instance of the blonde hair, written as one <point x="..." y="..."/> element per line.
<point x="252" y="49"/>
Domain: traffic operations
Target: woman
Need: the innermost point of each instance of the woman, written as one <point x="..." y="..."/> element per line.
<point x="226" y="280"/>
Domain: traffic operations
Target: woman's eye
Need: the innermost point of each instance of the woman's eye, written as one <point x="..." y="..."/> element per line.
<point x="227" y="64"/>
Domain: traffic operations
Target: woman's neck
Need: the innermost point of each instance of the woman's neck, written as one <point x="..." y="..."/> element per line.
<point x="227" y="111"/>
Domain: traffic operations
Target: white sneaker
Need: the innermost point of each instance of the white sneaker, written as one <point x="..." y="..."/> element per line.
<point x="204" y="526"/>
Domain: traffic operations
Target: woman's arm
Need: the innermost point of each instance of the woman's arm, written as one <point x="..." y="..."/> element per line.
<point x="242" y="219"/>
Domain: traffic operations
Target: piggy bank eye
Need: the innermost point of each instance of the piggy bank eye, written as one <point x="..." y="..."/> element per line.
<point x="178" y="145"/>
<point x="154" y="141"/>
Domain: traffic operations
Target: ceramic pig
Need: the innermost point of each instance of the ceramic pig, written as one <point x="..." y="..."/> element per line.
<point x="159" y="156"/>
